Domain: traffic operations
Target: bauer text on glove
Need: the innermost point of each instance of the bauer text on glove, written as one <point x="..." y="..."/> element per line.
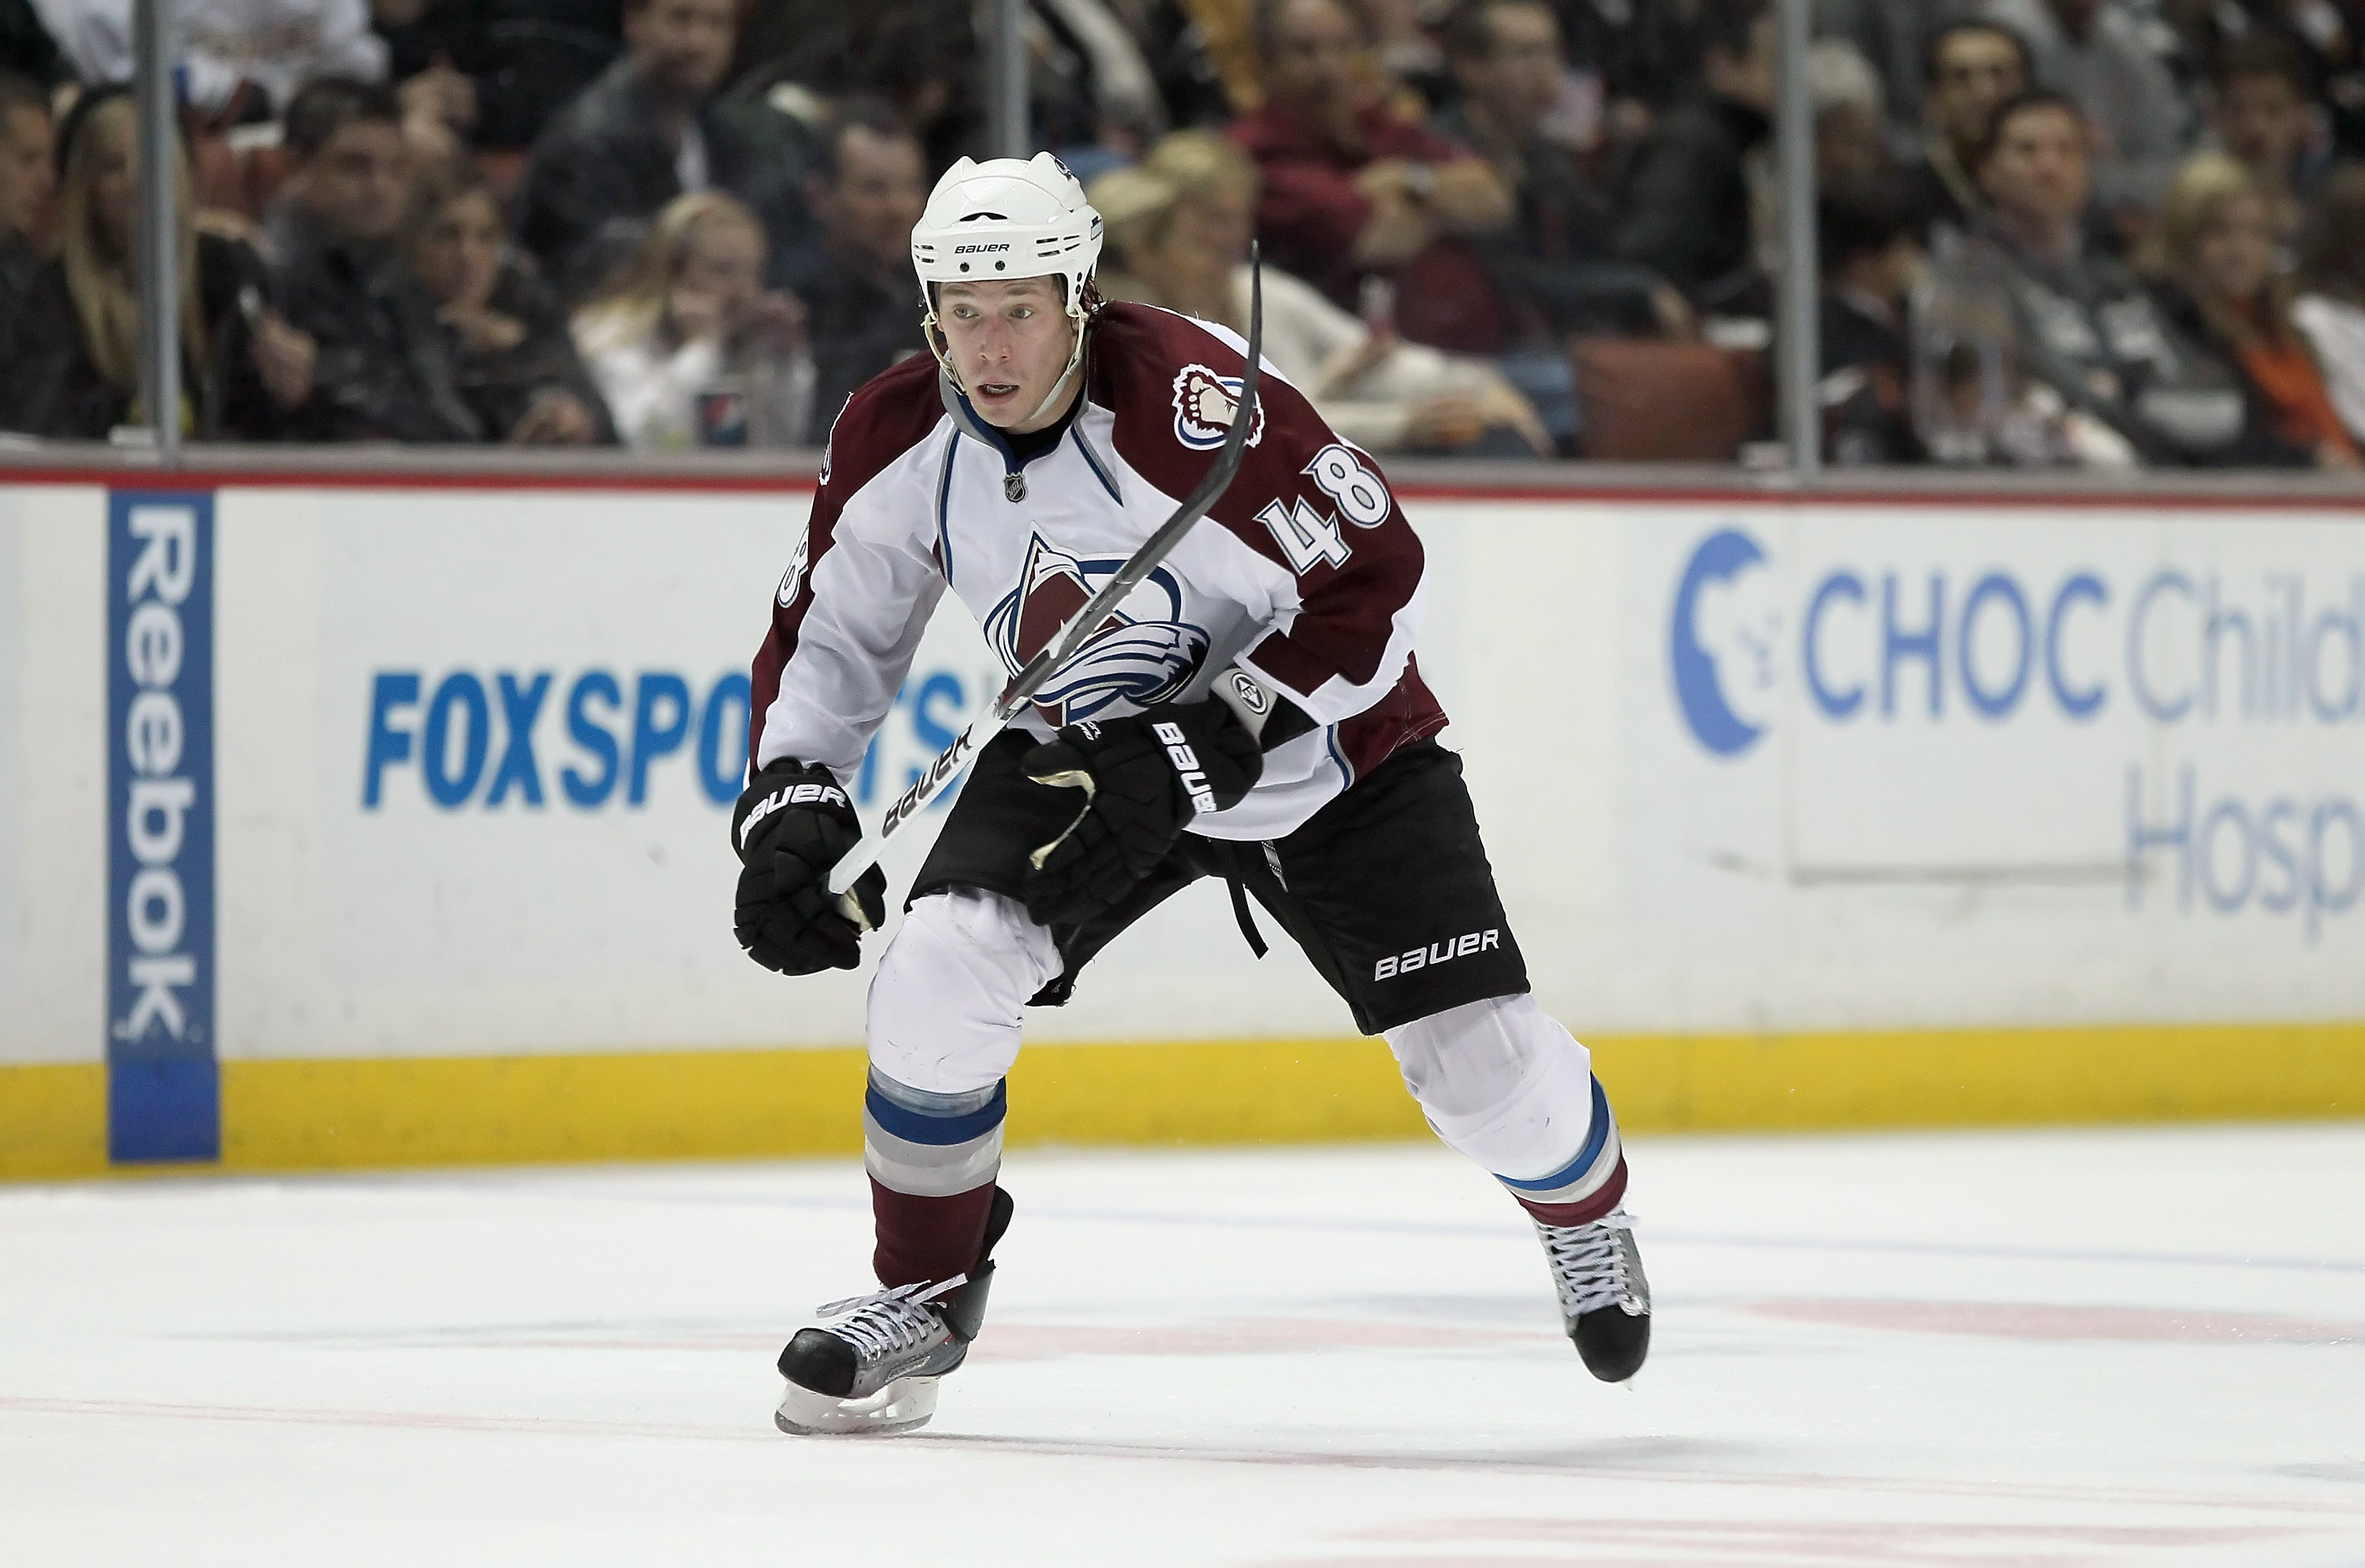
<point x="792" y="823"/>
<point x="1144" y="777"/>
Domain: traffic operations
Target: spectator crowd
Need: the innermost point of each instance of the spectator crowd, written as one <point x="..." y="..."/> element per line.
<point x="2106" y="233"/>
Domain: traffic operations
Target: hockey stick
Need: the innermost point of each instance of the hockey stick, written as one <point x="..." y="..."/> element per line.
<point x="1079" y="628"/>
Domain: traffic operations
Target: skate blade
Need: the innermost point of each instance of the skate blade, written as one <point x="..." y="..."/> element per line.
<point x="902" y="1405"/>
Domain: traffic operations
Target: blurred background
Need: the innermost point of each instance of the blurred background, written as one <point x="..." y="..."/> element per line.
<point x="2099" y="234"/>
<point x="1889" y="471"/>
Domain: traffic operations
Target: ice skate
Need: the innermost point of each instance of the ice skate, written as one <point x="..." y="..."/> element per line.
<point x="1605" y="1302"/>
<point x="875" y="1368"/>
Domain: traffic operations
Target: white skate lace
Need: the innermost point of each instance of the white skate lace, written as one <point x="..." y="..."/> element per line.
<point x="884" y="1322"/>
<point x="1588" y="1263"/>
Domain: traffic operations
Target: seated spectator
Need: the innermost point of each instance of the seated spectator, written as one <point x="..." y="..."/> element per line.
<point x="2095" y="53"/>
<point x="866" y="190"/>
<point x="1868" y="260"/>
<point x="2331" y="305"/>
<point x="513" y="361"/>
<point x="238" y="60"/>
<point x="691" y="351"/>
<point x="383" y="372"/>
<point x="2261" y="114"/>
<point x="1351" y="191"/>
<point x="1970" y="68"/>
<point x="27" y="178"/>
<point x="1178" y="232"/>
<point x="2078" y="322"/>
<point x="643" y="134"/>
<point x="1683" y="199"/>
<point x="2327" y="38"/>
<point x="74" y="371"/>
<point x="1552" y="268"/>
<point x="349" y="173"/>
<point x="2213" y="260"/>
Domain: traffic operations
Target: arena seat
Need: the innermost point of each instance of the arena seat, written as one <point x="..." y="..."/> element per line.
<point x="1647" y="400"/>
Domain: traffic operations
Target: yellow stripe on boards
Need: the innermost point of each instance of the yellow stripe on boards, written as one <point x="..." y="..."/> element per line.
<point x="703" y="1104"/>
<point x="311" y="1115"/>
<point x="1984" y="1077"/>
<point x="52" y="1121"/>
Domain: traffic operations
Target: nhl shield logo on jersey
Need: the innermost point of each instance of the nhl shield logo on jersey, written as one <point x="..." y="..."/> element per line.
<point x="1205" y="405"/>
<point x="1143" y="653"/>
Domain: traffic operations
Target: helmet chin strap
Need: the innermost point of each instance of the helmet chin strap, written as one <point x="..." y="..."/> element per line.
<point x="1074" y="356"/>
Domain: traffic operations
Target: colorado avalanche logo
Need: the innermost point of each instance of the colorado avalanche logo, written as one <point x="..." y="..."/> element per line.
<point x="1143" y="653"/>
<point x="1205" y="405"/>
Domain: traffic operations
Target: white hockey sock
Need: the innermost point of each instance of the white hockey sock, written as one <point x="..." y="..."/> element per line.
<point x="1504" y="1084"/>
<point x="944" y="1026"/>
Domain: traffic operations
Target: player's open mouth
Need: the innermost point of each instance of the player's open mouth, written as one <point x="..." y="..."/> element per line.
<point x="997" y="390"/>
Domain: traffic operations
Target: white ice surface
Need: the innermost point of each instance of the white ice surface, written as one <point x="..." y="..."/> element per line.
<point x="2055" y="1349"/>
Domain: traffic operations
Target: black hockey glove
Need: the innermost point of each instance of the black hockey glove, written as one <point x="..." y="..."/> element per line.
<point x="1144" y="777"/>
<point x="792" y="823"/>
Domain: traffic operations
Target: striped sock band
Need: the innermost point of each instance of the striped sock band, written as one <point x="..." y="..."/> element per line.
<point x="1589" y="1186"/>
<point x="931" y="1144"/>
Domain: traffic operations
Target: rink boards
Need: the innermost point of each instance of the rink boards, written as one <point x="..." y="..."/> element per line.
<point x="383" y="823"/>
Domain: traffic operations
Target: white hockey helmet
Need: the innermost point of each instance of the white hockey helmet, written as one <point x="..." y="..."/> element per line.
<point x="1007" y="217"/>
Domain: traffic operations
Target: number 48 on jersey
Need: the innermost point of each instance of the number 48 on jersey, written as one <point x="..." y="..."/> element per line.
<point x="1306" y="536"/>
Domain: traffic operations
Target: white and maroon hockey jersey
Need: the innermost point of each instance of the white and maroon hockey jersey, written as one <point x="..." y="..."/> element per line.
<point x="1304" y="572"/>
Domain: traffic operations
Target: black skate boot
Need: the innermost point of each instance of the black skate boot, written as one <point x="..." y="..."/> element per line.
<point x="1604" y="1300"/>
<point x="875" y="1369"/>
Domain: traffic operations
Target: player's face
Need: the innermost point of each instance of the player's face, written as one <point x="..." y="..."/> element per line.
<point x="1010" y="342"/>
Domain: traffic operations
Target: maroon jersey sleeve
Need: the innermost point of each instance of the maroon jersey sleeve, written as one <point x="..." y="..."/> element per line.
<point x="844" y="605"/>
<point x="1303" y="498"/>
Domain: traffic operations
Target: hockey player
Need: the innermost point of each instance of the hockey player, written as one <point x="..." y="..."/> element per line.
<point x="1253" y="713"/>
